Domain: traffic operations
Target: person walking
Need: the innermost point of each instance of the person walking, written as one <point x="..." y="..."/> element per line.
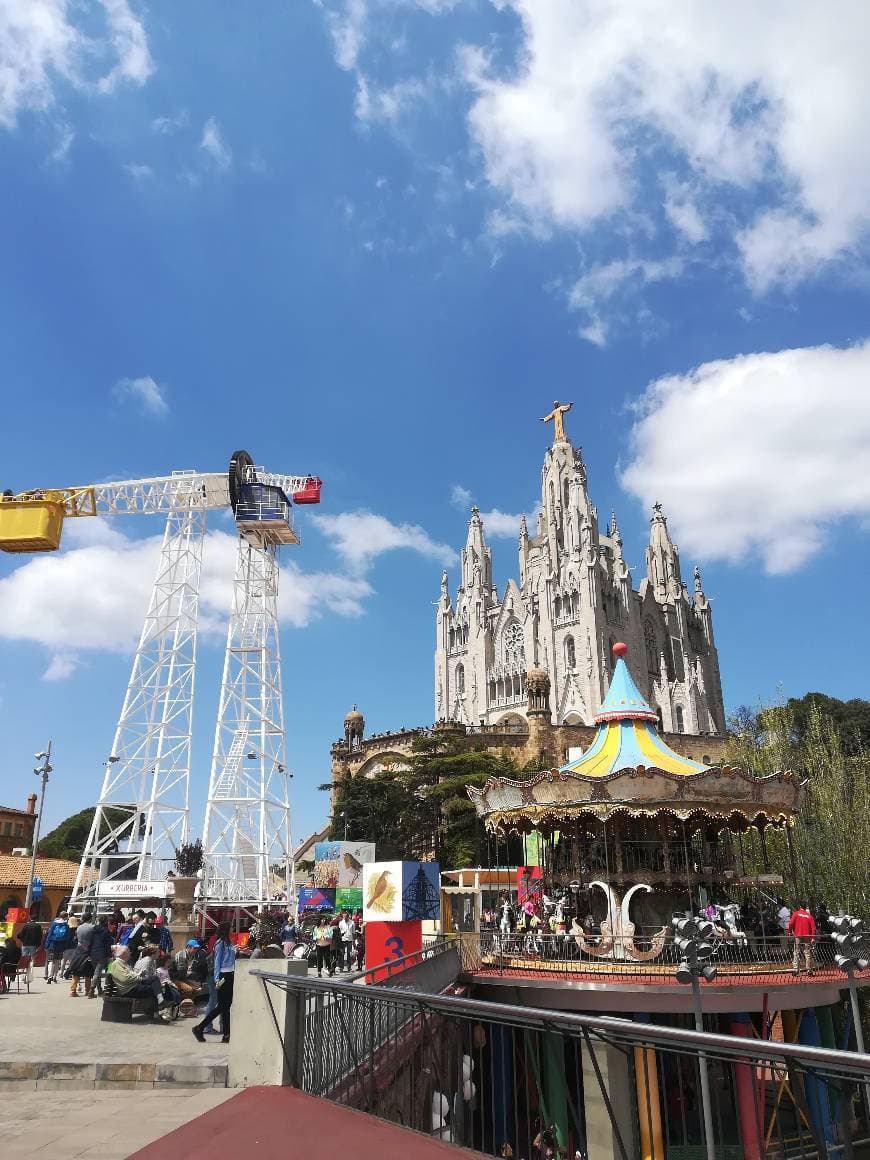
<point x="71" y="945"/>
<point x="224" y="976"/>
<point x="289" y="933"/>
<point x="802" y="928"/>
<point x="99" y="952"/>
<point x="323" y="943"/>
<point x="31" y="940"/>
<point x="55" y="944"/>
<point x="347" y="930"/>
<point x="79" y="963"/>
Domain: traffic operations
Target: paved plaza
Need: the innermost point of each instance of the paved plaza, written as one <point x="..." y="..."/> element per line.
<point x="48" y="1026"/>
<point x="107" y="1124"/>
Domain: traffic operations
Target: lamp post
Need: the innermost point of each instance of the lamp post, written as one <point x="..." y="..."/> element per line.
<point x="691" y="937"/>
<point x="343" y="815"/>
<point x="851" y="940"/>
<point x="41" y="771"/>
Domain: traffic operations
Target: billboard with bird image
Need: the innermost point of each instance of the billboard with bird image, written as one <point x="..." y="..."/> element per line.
<point x="340" y="864"/>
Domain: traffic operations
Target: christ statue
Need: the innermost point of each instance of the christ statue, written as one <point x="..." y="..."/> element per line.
<point x="555" y="415"/>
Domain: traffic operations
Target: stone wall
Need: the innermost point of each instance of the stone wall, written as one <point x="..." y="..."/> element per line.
<point x="544" y="744"/>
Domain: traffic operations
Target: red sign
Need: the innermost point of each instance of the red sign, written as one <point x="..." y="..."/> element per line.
<point x="530" y="885"/>
<point x="388" y="941"/>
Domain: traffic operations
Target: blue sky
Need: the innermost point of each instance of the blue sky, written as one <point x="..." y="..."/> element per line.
<point x="373" y="239"/>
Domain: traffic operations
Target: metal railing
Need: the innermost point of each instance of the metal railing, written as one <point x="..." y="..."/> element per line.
<point x="523" y="1082"/>
<point x="646" y="954"/>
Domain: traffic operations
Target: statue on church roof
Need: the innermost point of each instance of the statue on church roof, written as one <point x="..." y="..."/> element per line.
<point x="555" y="416"/>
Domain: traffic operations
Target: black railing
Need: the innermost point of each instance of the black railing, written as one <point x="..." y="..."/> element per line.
<point x="517" y="1081"/>
<point x="647" y="953"/>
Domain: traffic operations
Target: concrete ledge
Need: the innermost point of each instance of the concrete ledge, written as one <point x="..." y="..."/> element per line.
<point x="52" y="1076"/>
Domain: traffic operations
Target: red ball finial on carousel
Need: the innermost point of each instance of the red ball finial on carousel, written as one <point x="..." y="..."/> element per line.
<point x="619" y="649"/>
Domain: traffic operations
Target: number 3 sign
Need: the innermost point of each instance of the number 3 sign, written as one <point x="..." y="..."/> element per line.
<point x="387" y="942"/>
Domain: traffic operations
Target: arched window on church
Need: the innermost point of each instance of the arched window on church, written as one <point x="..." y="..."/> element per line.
<point x="652" y="647"/>
<point x="678" y="714"/>
<point x="660" y="719"/>
<point x="565" y="494"/>
<point x="557" y="607"/>
<point x="575" y="602"/>
<point x="453" y="638"/>
<point x="460" y="678"/>
<point x="570" y="654"/>
<point x="552" y="503"/>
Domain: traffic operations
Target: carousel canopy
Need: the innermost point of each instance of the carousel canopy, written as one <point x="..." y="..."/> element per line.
<point x="629" y="769"/>
<point x="627" y="736"/>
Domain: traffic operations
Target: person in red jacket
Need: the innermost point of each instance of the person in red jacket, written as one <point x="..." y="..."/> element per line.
<point x="802" y="927"/>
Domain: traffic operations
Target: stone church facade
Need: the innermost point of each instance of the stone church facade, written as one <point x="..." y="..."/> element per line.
<point x="574" y="598"/>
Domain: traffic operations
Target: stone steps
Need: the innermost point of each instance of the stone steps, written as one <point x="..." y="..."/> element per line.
<point x="50" y="1076"/>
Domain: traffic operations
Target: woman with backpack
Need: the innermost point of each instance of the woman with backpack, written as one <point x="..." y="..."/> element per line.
<point x="224" y="977"/>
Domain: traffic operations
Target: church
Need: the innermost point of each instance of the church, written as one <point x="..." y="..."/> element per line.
<point x="556" y="624"/>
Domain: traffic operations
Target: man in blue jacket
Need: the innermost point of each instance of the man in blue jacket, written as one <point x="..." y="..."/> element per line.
<point x="56" y="942"/>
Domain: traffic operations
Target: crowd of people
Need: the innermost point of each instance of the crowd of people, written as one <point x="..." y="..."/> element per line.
<point x="132" y="956"/>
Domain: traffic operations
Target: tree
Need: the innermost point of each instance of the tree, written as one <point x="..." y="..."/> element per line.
<point x="831" y="840"/>
<point x="68" y="840"/>
<point x="421" y="809"/>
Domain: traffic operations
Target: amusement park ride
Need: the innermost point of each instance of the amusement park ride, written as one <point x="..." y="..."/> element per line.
<point x="142" y="816"/>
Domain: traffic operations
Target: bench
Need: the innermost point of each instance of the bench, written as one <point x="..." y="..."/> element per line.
<point x="119" y="1008"/>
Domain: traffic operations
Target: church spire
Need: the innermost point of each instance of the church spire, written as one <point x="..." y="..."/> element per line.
<point x="476" y="557"/>
<point x="662" y="559"/>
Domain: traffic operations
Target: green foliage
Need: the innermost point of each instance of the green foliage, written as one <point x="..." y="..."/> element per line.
<point x="68" y="840"/>
<point x="831" y="842"/>
<point x="422" y="808"/>
<point x="189" y="858"/>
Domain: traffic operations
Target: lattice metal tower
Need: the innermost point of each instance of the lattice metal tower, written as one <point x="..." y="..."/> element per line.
<point x="247" y="819"/>
<point x="142" y="814"/>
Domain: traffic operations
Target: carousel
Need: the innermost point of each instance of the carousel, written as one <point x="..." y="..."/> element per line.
<point x="633" y="833"/>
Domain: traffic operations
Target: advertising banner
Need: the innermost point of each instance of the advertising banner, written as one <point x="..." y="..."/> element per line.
<point x="341" y="863"/>
<point x="401" y="891"/>
<point x="310" y="898"/>
<point x="348" y="898"/>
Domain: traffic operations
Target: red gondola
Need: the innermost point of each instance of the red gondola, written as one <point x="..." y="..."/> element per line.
<point x="310" y="493"/>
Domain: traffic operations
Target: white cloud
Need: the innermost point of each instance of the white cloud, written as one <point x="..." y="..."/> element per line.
<point x="61" y="667"/>
<point x="498" y="524"/>
<point x="130" y="44"/>
<point x="747" y="457"/>
<point x="618" y="280"/>
<point x="66" y="136"/>
<point x="41" y="43"/>
<point x="147" y="392"/>
<point x="92" y="596"/>
<point x="139" y="173"/>
<point x="575" y="107"/>
<point x="460" y="496"/>
<point x="168" y="125"/>
<point x="213" y="144"/>
<point x="360" y="537"/>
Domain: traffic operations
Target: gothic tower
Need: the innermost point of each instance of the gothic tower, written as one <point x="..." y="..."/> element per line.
<point x="573" y="601"/>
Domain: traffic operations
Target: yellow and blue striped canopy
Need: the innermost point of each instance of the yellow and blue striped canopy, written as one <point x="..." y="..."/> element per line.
<point x="627" y="735"/>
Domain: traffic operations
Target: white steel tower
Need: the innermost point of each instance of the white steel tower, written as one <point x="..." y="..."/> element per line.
<point x="247" y="818"/>
<point x="142" y="814"/>
<point x="141" y="817"/>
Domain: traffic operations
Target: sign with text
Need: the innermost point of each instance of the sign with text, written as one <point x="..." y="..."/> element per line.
<point x="348" y="898"/>
<point x="134" y="890"/>
<point x="310" y="898"/>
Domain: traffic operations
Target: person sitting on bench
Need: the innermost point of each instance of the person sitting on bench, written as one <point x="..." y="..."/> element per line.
<point x="133" y="986"/>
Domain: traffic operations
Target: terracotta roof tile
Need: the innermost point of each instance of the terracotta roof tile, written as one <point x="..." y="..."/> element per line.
<point x="15" y="871"/>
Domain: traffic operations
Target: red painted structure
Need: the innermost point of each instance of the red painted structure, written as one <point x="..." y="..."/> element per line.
<point x="278" y="1123"/>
